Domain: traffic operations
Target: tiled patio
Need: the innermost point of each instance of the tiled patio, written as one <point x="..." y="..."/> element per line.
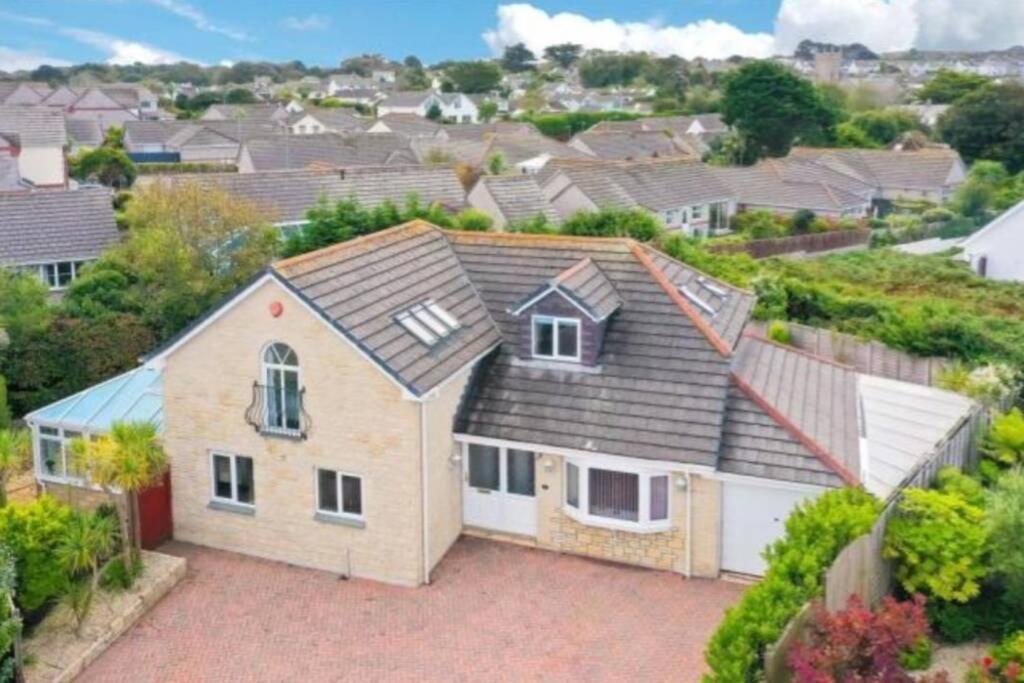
<point x="494" y="612"/>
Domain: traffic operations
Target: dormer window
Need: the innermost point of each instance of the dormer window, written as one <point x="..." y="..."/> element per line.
<point x="556" y="338"/>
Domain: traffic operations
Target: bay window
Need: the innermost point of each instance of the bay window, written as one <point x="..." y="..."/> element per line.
<point x="620" y="498"/>
<point x="55" y="455"/>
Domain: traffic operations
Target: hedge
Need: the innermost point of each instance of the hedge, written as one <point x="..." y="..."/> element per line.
<point x="165" y="168"/>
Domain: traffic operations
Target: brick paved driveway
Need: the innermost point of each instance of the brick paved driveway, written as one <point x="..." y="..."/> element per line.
<point x="494" y="612"/>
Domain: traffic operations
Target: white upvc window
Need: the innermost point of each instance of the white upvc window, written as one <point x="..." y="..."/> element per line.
<point x="232" y="480"/>
<point x="556" y="338"/>
<point x="339" y="494"/>
<point x="617" y="497"/>
<point x="283" y="409"/>
<point x="54" y="455"/>
<point x="59" y="275"/>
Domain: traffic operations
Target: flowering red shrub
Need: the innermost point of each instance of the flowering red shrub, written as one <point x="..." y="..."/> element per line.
<point x="858" y="645"/>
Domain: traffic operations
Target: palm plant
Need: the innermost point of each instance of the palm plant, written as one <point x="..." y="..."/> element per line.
<point x="89" y="540"/>
<point x="124" y="462"/>
<point x="15" y="448"/>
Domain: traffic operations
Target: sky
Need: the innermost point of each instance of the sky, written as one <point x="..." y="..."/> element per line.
<point x="322" y="32"/>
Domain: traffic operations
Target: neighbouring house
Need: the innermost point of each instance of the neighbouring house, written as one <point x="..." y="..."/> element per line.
<point x="521" y="152"/>
<point x="37" y="136"/>
<point x="631" y="145"/>
<point x="286" y="196"/>
<point x="108" y="104"/>
<point x="997" y="250"/>
<point x="314" y="120"/>
<point x="53" y="233"/>
<point x="23" y="92"/>
<point x="357" y="408"/>
<point x="698" y="131"/>
<point x="181" y="141"/>
<point x="266" y="113"/>
<point x="383" y="75"/>
<point x="83" y="134"/>
<point x="510" y="199"/>
<point x="324" y="151"/>
<point x="932" y="174"/>
<point x="10" y="176"/>
<point x="686" y="196"/>
<point x="410" y="125"/>
<point x="786" y="186"/>
<point x="454" y="107"/>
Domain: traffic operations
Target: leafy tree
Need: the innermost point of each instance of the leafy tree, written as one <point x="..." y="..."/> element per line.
<point x="88" y="541"/>
<point x="413" y="79"/>
<point x="474" y="77"/>
<point x="986" y="181"/>
<point x="187" y="247"/>
<point x="639" y="224"/>
<point x="938" y="541"/>
<point x="563" y="54"/>
<point x="124" y="462"/>
<point x="518" y="58"/>
<point x="15" y="452"/>
<point x="434" y="112"/>
<point x="773" y="107"/>
<point x="496" y="164"/>
<point x="5" y="407"/>
<point x="107" y="165"/>
<point x="23" y="302"/>
<point x="985" y="124"/>
<point x="802" y="221"/>
<point x="883" y="126"/>
<point x="1005" y="520"/>
<point x="948" y="86"/>
<point x="488" y="110"/>
<point x="604" y="70"/>
<point x="240" y="96"/>
<point x="849" y="135"/>
<point x="412" y="62"/>
<point x="114" y="137"/>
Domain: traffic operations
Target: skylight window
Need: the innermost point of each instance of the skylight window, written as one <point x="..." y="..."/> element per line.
<point x="697" y="301"/>
<point x="717" y="291"/>
<point x="428" y="322"/>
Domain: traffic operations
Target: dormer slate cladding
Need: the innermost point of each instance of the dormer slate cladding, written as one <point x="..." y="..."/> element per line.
<point x="556" y="305"/>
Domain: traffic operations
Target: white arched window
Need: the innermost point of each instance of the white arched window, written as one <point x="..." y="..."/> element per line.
<point x="281" y="378"/>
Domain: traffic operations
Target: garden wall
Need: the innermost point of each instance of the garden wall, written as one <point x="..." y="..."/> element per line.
<point x="868" y="357"/>
<point x="799" y="244"/>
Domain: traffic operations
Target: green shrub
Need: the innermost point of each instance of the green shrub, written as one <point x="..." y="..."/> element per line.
<point x="952" y="480"/>
<point x="989" y="616"/>
<point x="1010" y="650"/>
<point x="1005" y="521"/>
<point x="758" y="225"/>
<point x="938" y="541"/>
<point x="816" y="532"/>
<point x="473" y="219"/>
<point x="5" y="408"/>
<point x="801" y="221"/>
<point x="33" y="531"/>
<point x="1004" y="442"/>
<point x="919" y="657"/>
<point x="115" y="576"/>
<point x="779" y="332"/>
<point x="612" y="222"/>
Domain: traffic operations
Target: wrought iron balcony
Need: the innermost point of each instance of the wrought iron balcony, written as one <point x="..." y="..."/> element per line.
<point x="279" y="411"/>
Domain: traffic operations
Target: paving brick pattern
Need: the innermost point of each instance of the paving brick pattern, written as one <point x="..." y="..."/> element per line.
<point x="494" y="611"/>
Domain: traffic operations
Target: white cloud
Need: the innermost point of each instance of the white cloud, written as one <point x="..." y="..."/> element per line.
<point x="311" y="22"/>
<point x="121" y="51"/>
<point x="882" y="25"/>
<point x="198" y="19"/>
<point x="17" y="60"/>
<point x="537" y="29"/>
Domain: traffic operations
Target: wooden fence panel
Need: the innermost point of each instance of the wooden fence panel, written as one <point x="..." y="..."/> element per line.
<point x="798" y="244"/>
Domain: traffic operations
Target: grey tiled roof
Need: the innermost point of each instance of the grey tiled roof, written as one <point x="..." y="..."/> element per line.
<point x="334" y="118"/>
<point x="406" y="98"/>
<point x="661" y="387"/>
<point x="655" y="185"/>
<point x="362" y="285"/>
<point x="755" y="445"/>
<point x="84" y="132"/>
<point x="411" y="125"/>
<point x="35" y="126"/>
<point x="328" y="150"/>
<point x="288" y="195"/>
<point x="588" y="286"/>
<point x="815" y="399"/>
<point x="10" y="176"/>
<point x="175" y="133"/>
<point x="627" y="145"/>
<point x="519" y="198"/>
<point x="48" y="226"/>
<point x="518" y="147"/>
<point x="926" y="169"/>
<point x="782" y="186"/>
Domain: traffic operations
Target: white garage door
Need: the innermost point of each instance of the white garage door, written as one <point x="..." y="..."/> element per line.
<point x="752" y="517"/>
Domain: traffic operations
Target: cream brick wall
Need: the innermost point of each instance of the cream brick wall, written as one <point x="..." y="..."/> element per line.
<point x="360" y="425"/>
<point x="664" y="550"/>
<point x="77" y="496"/>
<point x="444" y="477"/>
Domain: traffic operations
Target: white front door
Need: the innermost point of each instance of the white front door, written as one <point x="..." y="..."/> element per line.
<point x="498" y="489"/>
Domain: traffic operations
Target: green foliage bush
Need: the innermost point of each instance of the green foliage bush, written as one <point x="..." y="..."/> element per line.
<point x="564" y="126"/>
<point x="1005" y="521"/>
<point x="816" y="532"/>
<point x="5" y="408"/>
<point x="779" y="332"/>
<point x="988" y="616"/>
<point x="473" y="219"/>
<point x="33" y="531"/>
<point x="919" y="657"/>
<point x="938" y="541"/>
<point x="10" y="622"/>
<point x="612" y="222"/>
<point x="761" y="224"/>
<point x="115" y="576"/>
<point x="1004" y="441"/>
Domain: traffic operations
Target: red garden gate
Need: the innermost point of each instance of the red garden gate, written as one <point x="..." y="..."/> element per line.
<point x="155" y="516"/>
